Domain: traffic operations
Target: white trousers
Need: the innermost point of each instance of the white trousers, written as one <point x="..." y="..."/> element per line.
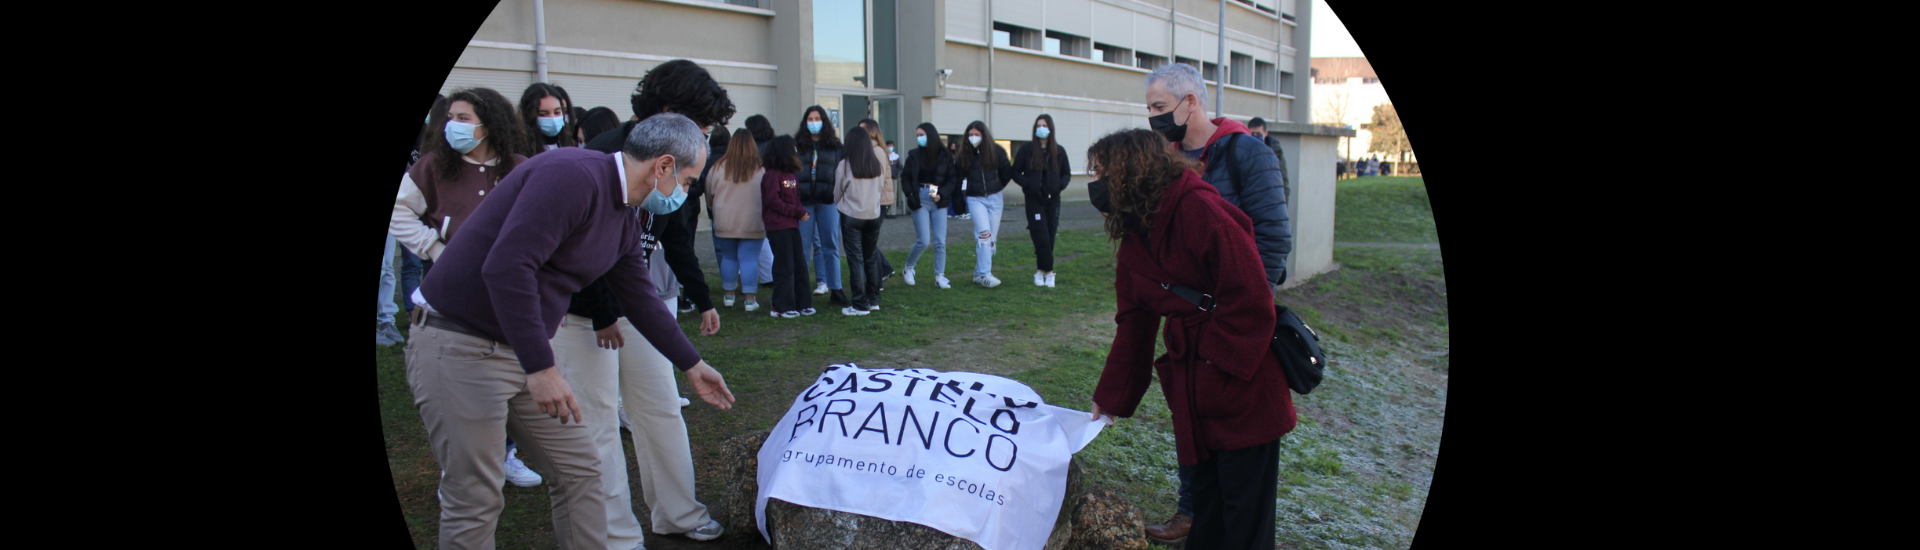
<point x="643" y="378"/>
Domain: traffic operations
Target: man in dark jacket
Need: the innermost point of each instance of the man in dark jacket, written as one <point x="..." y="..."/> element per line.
<point x="1247" y="173"/>
<point x="689" y="90"/>
<point x="1258" y="128"/>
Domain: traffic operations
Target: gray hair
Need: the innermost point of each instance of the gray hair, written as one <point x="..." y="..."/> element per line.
<point x="1182" y="79"/>
<point x="667" y="134"/>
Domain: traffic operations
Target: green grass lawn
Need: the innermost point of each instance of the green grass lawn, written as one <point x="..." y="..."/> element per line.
<point x="1383" y="209"/>
<point x="1355" y="473"/>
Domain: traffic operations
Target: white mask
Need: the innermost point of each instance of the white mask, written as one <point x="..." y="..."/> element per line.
<point x="973" y="140"/>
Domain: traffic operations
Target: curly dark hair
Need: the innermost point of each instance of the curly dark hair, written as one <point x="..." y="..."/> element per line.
<point x="989" y="149"/>
<point x="781" y="155"/>
<point x="1137" y="166"/>
<point x="504" y="132"/>
<point x="828" y="139"/>
<point x="683" y="87"/>
<point x="535" y="142"/>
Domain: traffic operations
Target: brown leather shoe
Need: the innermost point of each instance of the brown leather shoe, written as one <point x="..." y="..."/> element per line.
<point x="1174" y="531"/>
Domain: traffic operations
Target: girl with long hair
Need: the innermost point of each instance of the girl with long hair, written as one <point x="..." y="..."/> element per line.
<point x="782" y="213"/>
<point x="544" y="110"/>
<point x="983" y="172"/>
<point x="888" y="192"/>
<point x="819" y="151"/>
<point x="1043" y="171"/>
<point x="857" y="183"/>
<point x="738" y="229"/>
<point x="927" y="172"/>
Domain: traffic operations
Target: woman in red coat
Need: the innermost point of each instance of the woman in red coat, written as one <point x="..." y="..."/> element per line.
<point x="1224" y="386"/>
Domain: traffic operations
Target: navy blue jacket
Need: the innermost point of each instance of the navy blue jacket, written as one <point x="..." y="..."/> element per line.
<point x="1262" y="193"/>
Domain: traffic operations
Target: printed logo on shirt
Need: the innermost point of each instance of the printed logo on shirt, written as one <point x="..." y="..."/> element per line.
<point x="788" y="183"/>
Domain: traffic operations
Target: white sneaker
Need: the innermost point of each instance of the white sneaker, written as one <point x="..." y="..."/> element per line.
<point x="517" y="472"/>
<point x="942" y="281"/>
<point x="751" y="305"/>
<point x="622" y="411"/>
<point x="909" y="276"/>
<point x="876" y="307"/>
<point x="1039" y="278"/>
<point x="684" y="402"/>
<point x="1050" y="279"/>
<point x="729" y="301"/>
<point x="850" y="311"/>
<point x="990" y="281"/>
<point x="820" y="290"/>
<point x="706" y="532"/>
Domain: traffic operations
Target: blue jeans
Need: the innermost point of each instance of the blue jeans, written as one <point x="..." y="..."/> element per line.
<point x="387" y="307"/>
<point x="929" y="224"/>
<point x="822" y="233"/>
<point x="739" y="263"/>
<point x="410" y="273"/>
<point x="986" y="219"/>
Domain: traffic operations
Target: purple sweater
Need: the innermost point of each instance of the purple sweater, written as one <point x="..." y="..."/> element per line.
<point x="555" y="224"/>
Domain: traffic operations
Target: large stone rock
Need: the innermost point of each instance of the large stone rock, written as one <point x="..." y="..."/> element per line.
<point x="1105" y="521"/>
<point x="796" y="527"/>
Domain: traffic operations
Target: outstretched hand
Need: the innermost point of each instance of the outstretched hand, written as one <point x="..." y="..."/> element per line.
<point x="710" y="385"/>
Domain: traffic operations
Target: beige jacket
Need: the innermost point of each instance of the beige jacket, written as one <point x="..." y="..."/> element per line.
<point x="735" y="205"/>
<point x="860" y="197"/>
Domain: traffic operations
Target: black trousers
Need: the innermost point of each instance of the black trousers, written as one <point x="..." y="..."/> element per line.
<point x="1233" y="499"/>
<point x="1043" y="223"/>
<point x="792" y="286"/>
<point x="860" y="239"/>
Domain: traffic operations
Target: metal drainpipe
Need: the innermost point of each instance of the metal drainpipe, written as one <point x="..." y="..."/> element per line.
<point x="540" y="40"/>
<point x="989" y="117"/>
<point x="1220" y="63"/>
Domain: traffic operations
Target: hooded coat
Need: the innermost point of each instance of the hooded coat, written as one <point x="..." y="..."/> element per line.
<point x="1261" y="195"/>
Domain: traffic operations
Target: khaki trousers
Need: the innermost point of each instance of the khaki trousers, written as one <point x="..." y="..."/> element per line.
<point x="472" y="393"/>
<point x="643" y="378"/>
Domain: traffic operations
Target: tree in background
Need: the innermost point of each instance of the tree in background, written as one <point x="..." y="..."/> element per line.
<point x="1388" y="135"/>
<point x="1332" y="111"/>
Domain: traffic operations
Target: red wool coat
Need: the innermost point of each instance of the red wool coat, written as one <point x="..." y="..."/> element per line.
<point x="1222" y="382"/>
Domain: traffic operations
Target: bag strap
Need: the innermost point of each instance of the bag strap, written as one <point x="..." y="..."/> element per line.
<point x="1199" y="299"/>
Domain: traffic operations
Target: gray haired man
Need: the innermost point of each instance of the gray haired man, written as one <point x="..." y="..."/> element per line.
<point x="480" y="362"/>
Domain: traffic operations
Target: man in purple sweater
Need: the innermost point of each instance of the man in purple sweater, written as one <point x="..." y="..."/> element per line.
<point x="480" y="362"/>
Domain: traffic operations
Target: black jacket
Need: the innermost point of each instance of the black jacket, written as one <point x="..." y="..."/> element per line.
<point x="979" y="182"/>
<point x="1037" y="184"/>
<point x="942" y="177"/>
<point x="1262" y="195"/>
<point x="816" y="175"/>
<point x="674" y="234"/>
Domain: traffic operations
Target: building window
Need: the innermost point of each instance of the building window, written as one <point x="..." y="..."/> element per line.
<point x="1240" y="72"/>
<point x="747" y="3"/>
<point x="1329" y="81"/>
<point x="1263" y="73"/>
<point x="1061" y="43"/>
<point x="1286" y="83"/>
<point x="1286" y="16"/>
<point x="1148" y="61"/>
<point x="1016" y="36"/>
<point x="1208" y="71"/>
<point x="1369" y="81"/>
<point x="1114" y="54"/>
<point x="840" y="42"/>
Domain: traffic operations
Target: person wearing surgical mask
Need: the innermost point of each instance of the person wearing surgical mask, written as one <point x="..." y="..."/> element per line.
<point x="454" y="174"/>
<point x="544" y="111"/>
<point x="820" y="150"/>
<point x="1043" y="171"/>
<point x="983" y="171"/>
<point x="931" y="191"/>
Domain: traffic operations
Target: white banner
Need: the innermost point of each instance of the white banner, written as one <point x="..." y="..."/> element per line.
<point x="976" y="456"/>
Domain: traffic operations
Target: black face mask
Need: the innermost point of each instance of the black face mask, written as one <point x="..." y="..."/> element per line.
<point x="1163" y="123"/>
<point x="1098" y="193"/>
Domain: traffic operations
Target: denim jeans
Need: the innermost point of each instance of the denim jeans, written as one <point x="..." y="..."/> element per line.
<point x="766" y="261"/>
<point x="386" y="307"/>
<point x="410" y="273"/>
<point x="821" y="233"/>
<point x="929" y="224"/>
<point x="739" y="263"/>
<point x="986" y="218"/>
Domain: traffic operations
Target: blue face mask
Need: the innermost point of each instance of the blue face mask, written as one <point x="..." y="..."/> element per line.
<point x="551" y="125"/>
<point x="1041" y="133"/>
<point x="460" y="136"/>
<point x="661" y="205"/>
<point x="814" y="127"/>
<point x="923" y="141"/>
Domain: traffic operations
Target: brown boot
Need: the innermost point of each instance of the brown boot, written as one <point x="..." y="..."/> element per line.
<point x="1174" y="531"/>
